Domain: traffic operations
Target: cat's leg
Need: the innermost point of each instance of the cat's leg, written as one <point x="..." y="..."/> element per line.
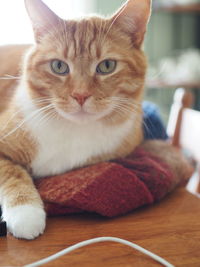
<point x="22" y="206"/>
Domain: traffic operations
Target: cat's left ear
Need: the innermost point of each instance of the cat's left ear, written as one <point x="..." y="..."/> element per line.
<point x="133" y="18"/>
<point x="43" y="18"/>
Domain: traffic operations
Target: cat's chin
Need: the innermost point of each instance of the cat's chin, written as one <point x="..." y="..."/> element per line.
<point x="82" y="117"/>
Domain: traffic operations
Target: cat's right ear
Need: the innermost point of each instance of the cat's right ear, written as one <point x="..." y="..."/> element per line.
<point x="43" y="18"/>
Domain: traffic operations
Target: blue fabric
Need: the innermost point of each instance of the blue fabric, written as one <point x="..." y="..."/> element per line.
<point x="153" y="126"/>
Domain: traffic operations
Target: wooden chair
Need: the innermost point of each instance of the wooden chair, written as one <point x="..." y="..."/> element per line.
<point x="184" y="130"/>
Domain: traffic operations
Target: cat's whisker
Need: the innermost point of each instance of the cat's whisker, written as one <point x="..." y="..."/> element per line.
<point x="129" y="107"/>
<point x="128" y="101"/>
<point x="10" y="77"/>
<point x="10" y="119"/>
<point x="41" y="100"/>
<point x="20" y="109"/>
<point x="125" y="102"/>
<point x="123" y="114"/>
<point x="126" y="111"/>
<point x="28" y="118"/>
<point x="44" y="119"/>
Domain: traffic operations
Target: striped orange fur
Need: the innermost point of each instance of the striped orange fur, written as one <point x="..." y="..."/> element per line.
<point x="53" y="123"/>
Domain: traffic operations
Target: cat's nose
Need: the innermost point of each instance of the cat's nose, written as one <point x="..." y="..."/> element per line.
<point x="80" y="98"/>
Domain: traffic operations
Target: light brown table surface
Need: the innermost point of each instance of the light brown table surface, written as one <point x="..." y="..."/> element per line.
<point x="170" y="229"/>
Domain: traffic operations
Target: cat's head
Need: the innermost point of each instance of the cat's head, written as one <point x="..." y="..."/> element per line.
<point x="88" y="69"/>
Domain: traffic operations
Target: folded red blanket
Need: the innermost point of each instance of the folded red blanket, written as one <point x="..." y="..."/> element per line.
<point x="115" y="188"/>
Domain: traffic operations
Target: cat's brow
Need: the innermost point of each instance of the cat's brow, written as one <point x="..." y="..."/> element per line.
<point x="81" y="43"/>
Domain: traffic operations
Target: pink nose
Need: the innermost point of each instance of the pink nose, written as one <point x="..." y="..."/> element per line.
<point x="80" y="98"/>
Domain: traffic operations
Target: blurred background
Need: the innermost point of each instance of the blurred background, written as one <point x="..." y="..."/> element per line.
<point x="172" y="42"/>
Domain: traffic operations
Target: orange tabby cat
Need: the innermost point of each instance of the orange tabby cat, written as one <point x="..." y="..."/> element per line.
<point x="78" y="103"/>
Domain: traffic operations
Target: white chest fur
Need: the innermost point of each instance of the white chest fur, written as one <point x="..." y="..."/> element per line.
<point x="63" y="148"/>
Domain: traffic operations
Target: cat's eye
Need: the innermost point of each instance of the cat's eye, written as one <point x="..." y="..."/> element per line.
<point x="59" y="67"/>
<point x="106" y="67"/>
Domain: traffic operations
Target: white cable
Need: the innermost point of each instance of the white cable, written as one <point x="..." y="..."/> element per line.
<point x="96" y="240"/>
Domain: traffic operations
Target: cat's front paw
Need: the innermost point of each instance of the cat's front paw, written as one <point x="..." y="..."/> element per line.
<point x="25" y="221"/>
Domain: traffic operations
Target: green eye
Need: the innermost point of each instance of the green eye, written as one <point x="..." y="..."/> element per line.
<point x="106" y="67"/>
<point x="59" y="67"/>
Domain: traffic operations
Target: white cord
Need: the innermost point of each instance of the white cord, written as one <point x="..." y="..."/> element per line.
<point x="96" y="240"/>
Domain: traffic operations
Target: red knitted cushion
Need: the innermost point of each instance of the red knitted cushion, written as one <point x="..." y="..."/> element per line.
<point x="109" y="188"/>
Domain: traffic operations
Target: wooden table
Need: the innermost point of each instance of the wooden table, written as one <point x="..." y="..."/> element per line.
<point x="170" y="229"/>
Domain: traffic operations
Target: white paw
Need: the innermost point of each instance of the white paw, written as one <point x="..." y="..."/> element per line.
<point x="25" y="221"/>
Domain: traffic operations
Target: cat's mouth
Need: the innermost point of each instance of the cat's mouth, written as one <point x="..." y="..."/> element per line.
<point x="83" y="113"/>
<point x="82" y="116"/>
